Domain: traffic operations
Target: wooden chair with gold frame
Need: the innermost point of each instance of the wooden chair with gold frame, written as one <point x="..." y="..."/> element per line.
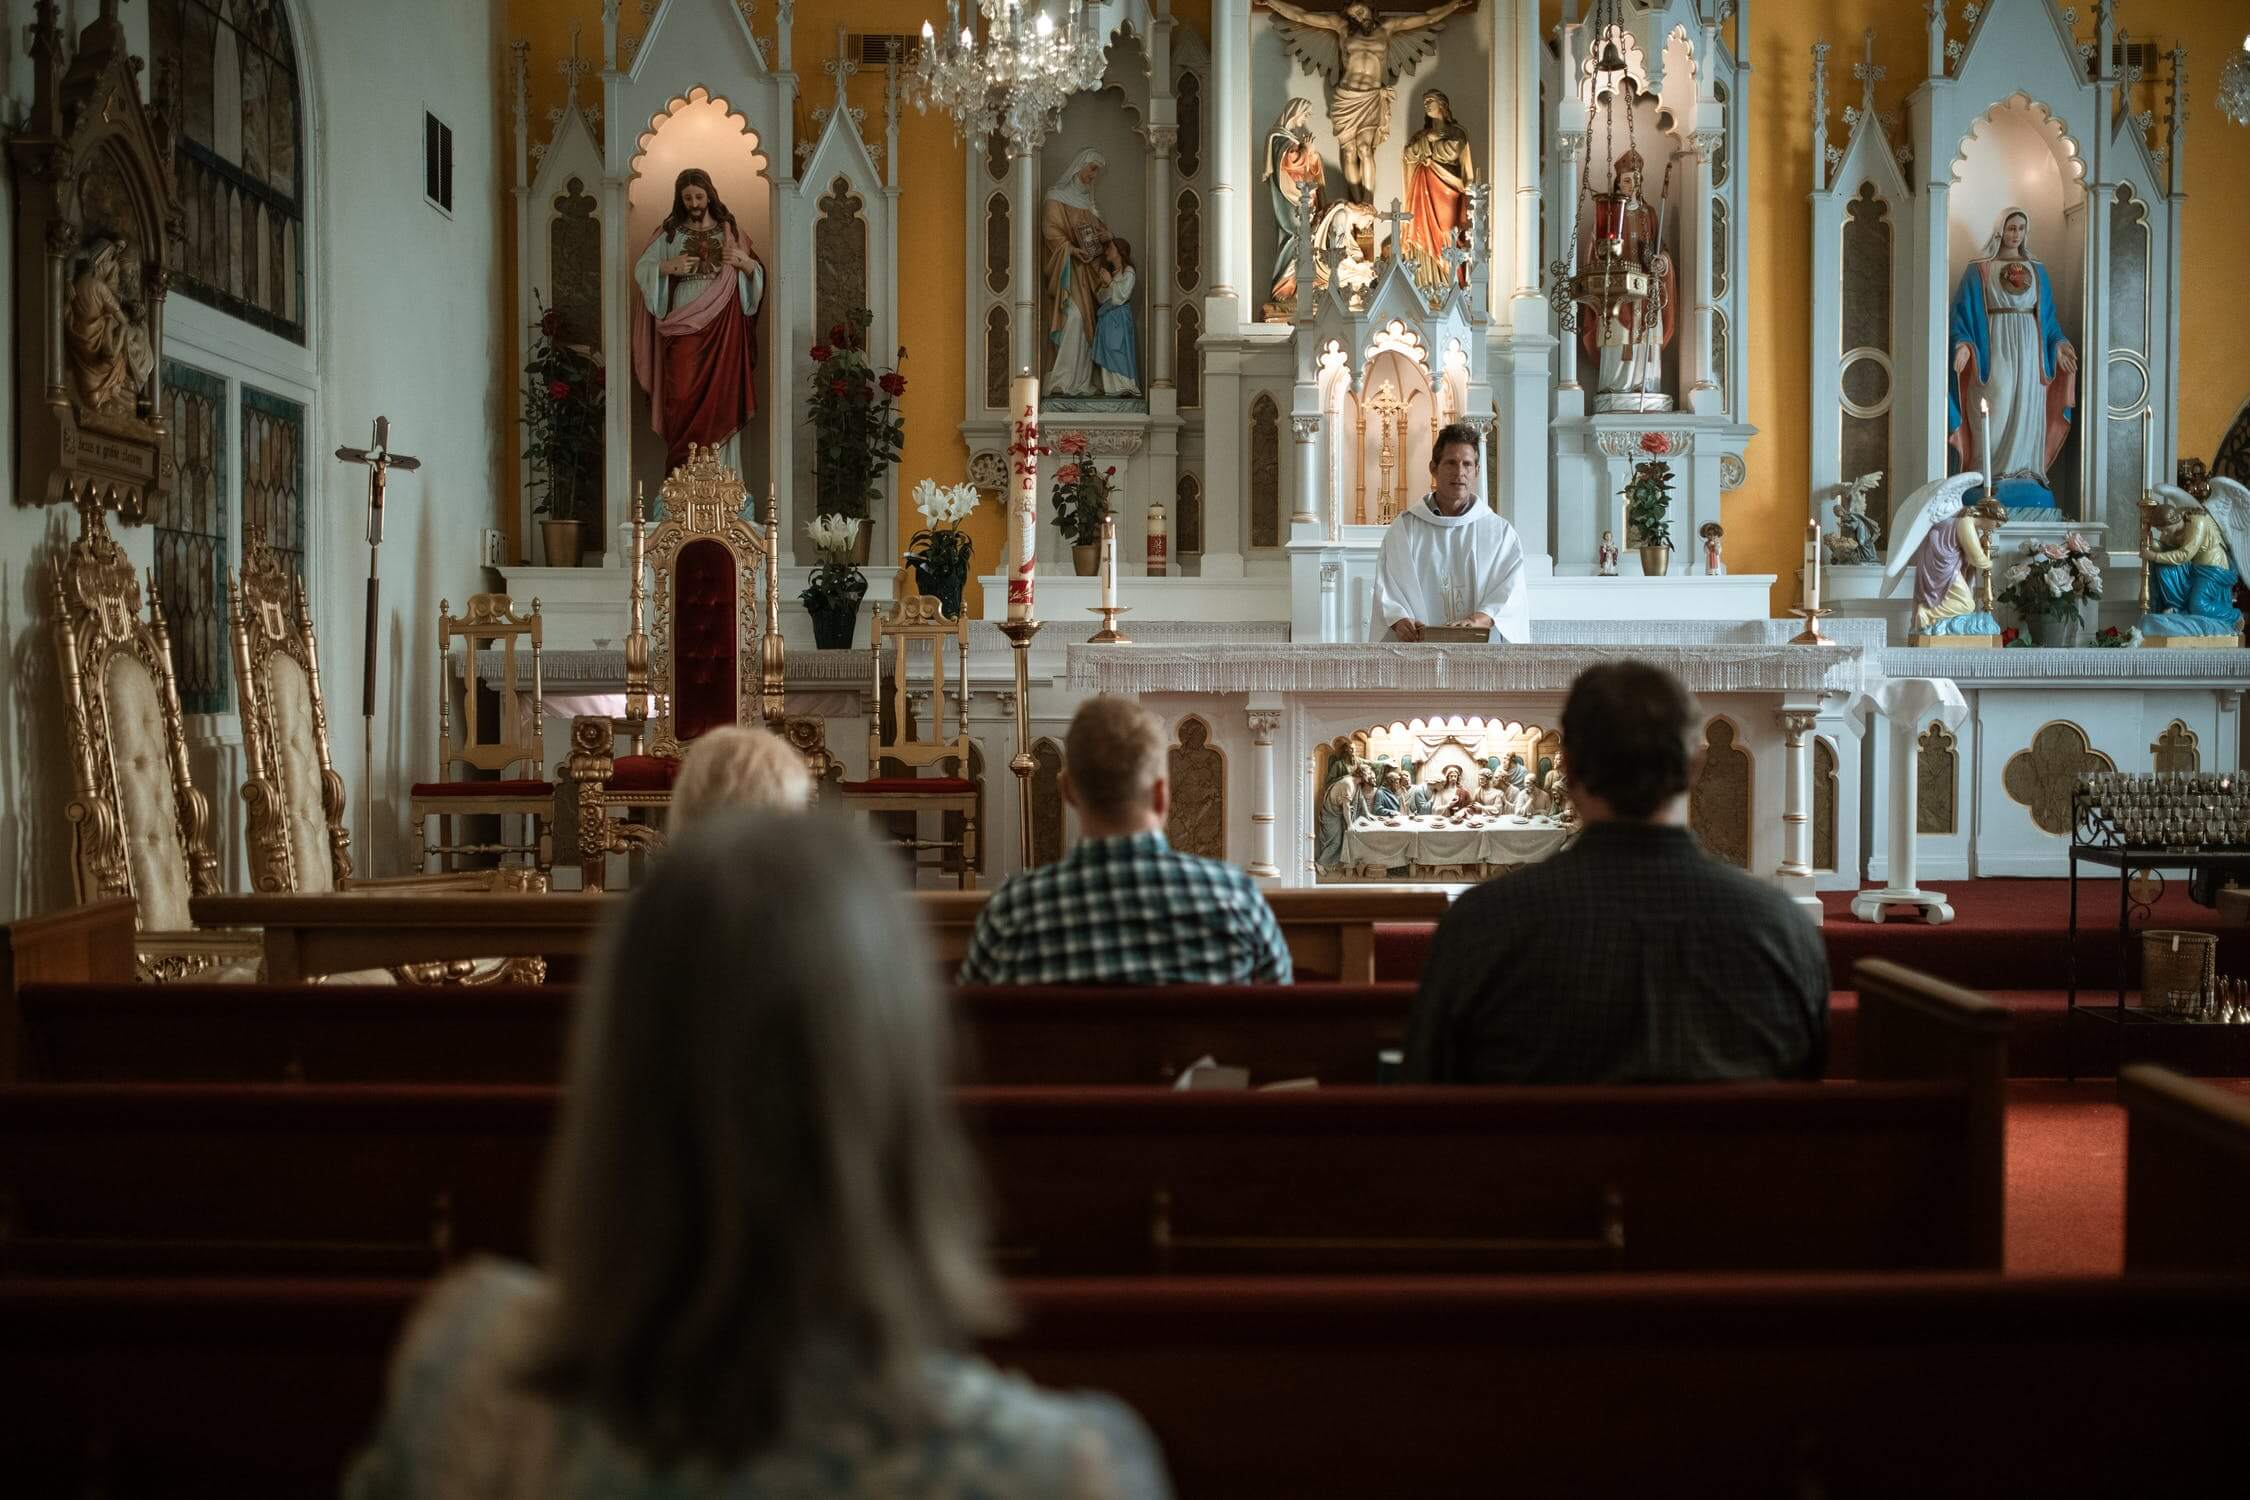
<point x="138" y="825"/>
<point x="713" y="658"/>
<point x="518" y="743"/>
<point x="915" y="619"/>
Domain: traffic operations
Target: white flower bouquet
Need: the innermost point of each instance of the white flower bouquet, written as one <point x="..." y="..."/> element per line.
<point x="946" y="506"/>
<point x="2053" y="579"/>
<point x="940" y="551"/>
<point x="833" y="537"/>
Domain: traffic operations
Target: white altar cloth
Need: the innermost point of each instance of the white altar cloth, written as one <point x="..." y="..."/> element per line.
<point x="1438" y="841"/>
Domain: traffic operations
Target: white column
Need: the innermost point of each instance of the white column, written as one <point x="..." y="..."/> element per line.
<point x="1796" y="797"/>
<point x="1905" y="704"/>
<point x="1228" y="102"/>
<point x="1024" y="282"/>
<point x="1528" y="310"/>
<point x="1307" y="431"/>
<point x="1263" y="722"/>
<point x="1702" y="392"/>
<point x="2092" y="345"/>
<point x="1163" y="138"/>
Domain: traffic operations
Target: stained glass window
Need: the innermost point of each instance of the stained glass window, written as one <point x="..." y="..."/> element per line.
<point x="273" y="473"/>
<point x="228" y="71"/>
<point x="190" y="527"/>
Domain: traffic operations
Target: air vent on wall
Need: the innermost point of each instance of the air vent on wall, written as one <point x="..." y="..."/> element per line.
<point x="437" y="162"/>
<point x="867" y="48"/>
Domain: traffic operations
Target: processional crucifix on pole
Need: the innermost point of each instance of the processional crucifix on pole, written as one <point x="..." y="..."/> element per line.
<point x="380" y="460"/>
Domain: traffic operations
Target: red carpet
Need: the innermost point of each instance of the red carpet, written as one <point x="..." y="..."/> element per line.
<point x="2066" y="1178"/>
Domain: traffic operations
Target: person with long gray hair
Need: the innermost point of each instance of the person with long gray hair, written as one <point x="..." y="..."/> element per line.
<point x="764" y="1235"/>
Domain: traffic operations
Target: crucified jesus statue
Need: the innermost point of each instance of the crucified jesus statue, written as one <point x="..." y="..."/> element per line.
<point x="1368" y="56"/>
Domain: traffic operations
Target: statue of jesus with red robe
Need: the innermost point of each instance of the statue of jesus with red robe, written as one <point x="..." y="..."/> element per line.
<point x="695" y="324"/>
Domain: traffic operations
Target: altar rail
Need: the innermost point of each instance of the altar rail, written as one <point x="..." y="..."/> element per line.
<point x="1331" y="933"/>
<point x="1951" y="1384"/>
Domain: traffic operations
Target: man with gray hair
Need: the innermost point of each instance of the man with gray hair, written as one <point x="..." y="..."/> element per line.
<point x="1124" y="906"/>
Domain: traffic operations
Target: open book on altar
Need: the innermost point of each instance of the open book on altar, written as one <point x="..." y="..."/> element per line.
<point x="1457" y="635"/>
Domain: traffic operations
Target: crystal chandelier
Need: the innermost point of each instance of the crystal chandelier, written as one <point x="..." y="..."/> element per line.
<point x="1017" y="79"/>
<point x="2234" y="86"/>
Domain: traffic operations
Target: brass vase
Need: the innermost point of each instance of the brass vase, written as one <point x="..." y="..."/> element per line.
<point x="1085" y="559"/>
<point x="1656" y="561"/>
<point x="564" y="540"/>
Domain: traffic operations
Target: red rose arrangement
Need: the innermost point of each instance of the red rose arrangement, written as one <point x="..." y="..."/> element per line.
<point x="562" y="418"/>
<point x="1081" y="492"/>
<point x="857" y="429"/>
<point x="1655" y="444"/>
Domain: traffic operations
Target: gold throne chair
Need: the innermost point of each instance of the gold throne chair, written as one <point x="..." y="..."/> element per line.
<point x="138" y="826"/>
<point x="713" y="658"/>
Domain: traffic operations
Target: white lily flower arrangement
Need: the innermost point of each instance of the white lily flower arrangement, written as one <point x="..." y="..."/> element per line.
<point x="833" y="537"/>
<point x="947" y="505"/>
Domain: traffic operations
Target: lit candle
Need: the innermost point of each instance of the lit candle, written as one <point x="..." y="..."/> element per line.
<point x="1023" y="496"/>
<point x="1812" y="565"/>
<point x="1109" y="561"/>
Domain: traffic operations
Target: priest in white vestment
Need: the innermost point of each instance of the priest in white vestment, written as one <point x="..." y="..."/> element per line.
<point x="1449" y="559"/>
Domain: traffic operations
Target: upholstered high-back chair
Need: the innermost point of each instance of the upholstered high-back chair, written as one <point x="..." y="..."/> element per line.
<point x="293" y="800"/>
<point x="710" y="656"/>
<point x="138" y="825"/>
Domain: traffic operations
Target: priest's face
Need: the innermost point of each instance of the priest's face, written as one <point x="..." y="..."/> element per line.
<point x="1453" y="477"/>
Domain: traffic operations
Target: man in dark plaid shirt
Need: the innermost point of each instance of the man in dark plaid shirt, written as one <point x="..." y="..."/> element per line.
<point x="1124" y="906"/>
<point x="1632" y="956"/>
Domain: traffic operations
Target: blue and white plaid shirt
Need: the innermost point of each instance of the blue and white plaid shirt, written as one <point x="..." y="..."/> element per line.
<point x="1130" y="910"/>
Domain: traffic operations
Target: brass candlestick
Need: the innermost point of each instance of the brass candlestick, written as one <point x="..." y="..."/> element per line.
<point x="1810" y="635"/>
<point x="1109" y="634"/>
<point x="1019" y="634"/>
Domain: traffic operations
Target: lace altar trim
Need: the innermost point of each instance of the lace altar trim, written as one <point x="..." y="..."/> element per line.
<point x="1454" y="669"/>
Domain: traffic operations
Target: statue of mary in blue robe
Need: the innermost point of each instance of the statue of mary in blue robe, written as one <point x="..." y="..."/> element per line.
<point x="2011" y="387"/>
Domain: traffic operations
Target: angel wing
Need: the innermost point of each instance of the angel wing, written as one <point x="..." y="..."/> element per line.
<point x="1934" y="503"/>
<point x="2229" y="505"/>
<point x="1408" y="48"/>
<point x="1316" y="48"/>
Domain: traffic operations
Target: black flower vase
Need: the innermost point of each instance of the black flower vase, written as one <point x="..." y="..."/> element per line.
<point x="835" y="622"/>
<point x="944" y="574"/>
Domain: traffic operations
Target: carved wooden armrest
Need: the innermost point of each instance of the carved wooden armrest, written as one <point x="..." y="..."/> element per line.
<point x="163" y="957"/>
<point x="451" y="883"/>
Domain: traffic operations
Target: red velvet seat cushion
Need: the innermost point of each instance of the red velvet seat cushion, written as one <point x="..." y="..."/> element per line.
<point x="932" y="784"/>
<point x="704" y="631"/>
<point x="644" y="773"/>
<point x="484" y="789"/>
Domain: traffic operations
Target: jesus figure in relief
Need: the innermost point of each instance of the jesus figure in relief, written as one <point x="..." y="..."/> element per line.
<point x="695" y="324"/>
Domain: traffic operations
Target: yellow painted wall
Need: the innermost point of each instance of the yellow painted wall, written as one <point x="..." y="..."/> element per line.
<point x="1763" y="518"/>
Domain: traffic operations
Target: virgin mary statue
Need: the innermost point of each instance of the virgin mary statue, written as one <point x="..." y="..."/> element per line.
<point x="2008" y="405"/>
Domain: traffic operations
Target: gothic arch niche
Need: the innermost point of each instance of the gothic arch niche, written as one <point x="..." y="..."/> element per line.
<point x="1396" y="423"/>
<point x="1187" y="241"/>
<point x="1823" y="803"/>
<point x="1866" y="378"/>
<point x="1187" y="521"/>
<point x="1265" y="471"/>
<point x="574" y="261"/>
<point x="1046" y="802"/>
<point x="2233" y="459"/>
<point x="839" y="256"/>
<point x="2176" y="749"/>
<point x="2133" y="441"/>
<point x="233" y="74"/>
<point x="1937" y="789"/>
<point x="1187" y="356"/>
<point x="999" y="241"/>
<point x="700" y="129"/>
<point x="996" y="359"/>
<point x="1197" y="820"/>
<point x="1719" y="799"/>
<point x="2017" y="154"/>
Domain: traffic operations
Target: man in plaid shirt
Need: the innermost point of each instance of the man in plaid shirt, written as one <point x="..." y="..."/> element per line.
<point x="1632" y="956"/>
<point x="1124" y="906"/>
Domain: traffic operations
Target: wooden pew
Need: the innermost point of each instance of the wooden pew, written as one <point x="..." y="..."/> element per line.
<point x="2187" y="1173"/>
<point x="1930" y="1385"/>
<point x="81" y="943"/>
<point x="1330" y="931"/>
<point x="124" y="1033"/>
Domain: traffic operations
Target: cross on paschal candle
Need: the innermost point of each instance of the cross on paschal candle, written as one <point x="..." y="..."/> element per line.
<point x="380" y="460"/>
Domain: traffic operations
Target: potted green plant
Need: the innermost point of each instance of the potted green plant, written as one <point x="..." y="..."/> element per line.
<point x="562" y="416"/>
<point x="2050" y="589"/>
<point x="940" y="551"/>
<point x="1648" y="514"/>
<point x="1082" y="496"/>
<point x="832" y="595"/>
<point x="857" y="428"/>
